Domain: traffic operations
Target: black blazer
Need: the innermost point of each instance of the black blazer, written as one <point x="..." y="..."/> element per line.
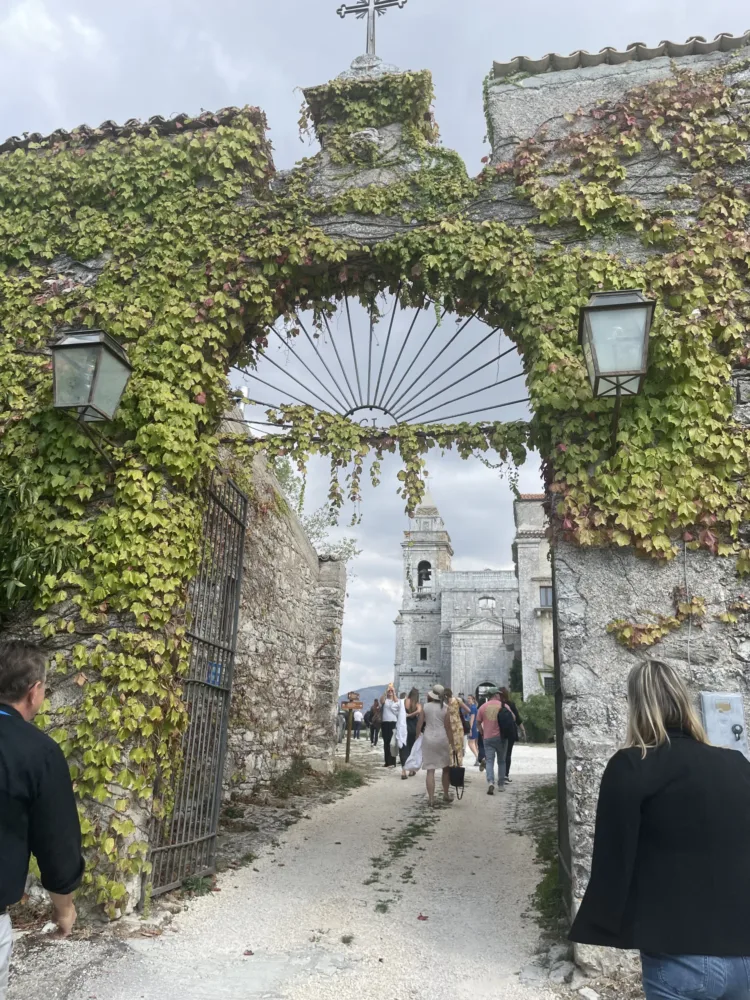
<point x="38" y="811"/>
<point x="671" y="865"/>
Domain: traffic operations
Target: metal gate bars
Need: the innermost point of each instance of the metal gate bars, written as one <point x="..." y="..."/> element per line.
<point x="184" y="844"/>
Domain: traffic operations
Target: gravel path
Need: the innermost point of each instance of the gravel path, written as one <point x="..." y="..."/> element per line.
<point x="317" y="931"/>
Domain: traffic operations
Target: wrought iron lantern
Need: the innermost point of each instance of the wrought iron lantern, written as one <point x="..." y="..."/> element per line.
<point x="614" y="331"/>
<point x="90" y="371"/>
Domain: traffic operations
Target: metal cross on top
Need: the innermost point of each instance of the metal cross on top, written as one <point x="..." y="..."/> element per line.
<point x="370" y="9"/>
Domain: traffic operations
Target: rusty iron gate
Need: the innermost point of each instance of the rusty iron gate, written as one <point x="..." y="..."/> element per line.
<point x="184" y="844"/>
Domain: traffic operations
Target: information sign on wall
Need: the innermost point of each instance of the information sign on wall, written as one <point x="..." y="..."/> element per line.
<point x="724" y="719"/>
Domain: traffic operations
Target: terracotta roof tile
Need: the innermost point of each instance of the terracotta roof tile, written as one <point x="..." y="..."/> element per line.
<point x="85" y="135"/>
<point x="533" y="496"/>
<point x="635" y="52"/>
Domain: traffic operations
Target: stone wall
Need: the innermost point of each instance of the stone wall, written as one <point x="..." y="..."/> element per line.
<point x="289" y="647"/>
<point x="593" y="587"/>
<point x="537" y="106"/>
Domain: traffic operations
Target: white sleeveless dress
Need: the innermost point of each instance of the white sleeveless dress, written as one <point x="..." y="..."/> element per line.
<point x="436" y="750"/>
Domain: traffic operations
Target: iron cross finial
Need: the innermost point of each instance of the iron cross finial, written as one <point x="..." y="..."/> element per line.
<point x="369" y="9"/>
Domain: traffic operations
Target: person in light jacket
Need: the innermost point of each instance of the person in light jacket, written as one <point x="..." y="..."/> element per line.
<point x="670" y="875"/>
<point x="390" y="706"/>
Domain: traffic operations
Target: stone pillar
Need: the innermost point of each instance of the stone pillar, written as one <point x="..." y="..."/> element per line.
<point x="594" y="587"/>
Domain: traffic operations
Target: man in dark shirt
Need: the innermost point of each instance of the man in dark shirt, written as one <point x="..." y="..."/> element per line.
<point x="38" y="813"/>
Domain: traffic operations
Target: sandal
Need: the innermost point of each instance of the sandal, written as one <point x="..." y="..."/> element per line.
<point x="404" y="777"/>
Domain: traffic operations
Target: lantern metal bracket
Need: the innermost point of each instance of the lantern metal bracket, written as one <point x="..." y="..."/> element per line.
<point x="615" y="422"/>
<point x="90" y="434"/>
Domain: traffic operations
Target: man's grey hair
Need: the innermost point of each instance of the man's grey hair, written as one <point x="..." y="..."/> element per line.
<point x="22" y="665"/>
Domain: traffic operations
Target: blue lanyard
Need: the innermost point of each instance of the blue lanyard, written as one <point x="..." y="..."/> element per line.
<point x="5" y="713"/>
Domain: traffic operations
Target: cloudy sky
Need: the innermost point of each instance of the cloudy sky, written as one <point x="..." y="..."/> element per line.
<point x="64" y="62"/>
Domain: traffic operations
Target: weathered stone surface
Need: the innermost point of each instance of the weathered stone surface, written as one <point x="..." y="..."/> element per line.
<point x="588" y="994"/>
<point x="561" y="973"/>
<point x="396" y="160"/>
<point x="741" y="384"/>
<point x="289" y="647"/>
<point x="536" y="106"/>
<point x="593" y="588"/>
<point x="533" y="974"/>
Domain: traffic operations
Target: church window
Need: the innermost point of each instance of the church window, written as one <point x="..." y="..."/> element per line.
<point x="423" y="654"/>
<point x="545" y="597"/>
<point x="549" y="684"/>
<point x="424" y="575"/>
<point x="487" y="603"/>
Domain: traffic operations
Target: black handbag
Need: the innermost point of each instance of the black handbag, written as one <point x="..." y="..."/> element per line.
<point x="458" y="776"/>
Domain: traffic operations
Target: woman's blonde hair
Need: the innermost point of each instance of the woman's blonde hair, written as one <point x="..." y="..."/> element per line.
<point x="658" y="700"/>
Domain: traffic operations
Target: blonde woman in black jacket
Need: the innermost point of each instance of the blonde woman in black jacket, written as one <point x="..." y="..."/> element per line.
<point x="670" y="875"/>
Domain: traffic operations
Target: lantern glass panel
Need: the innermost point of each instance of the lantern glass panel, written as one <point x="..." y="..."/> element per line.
<point x="74" y="373"/>
<point x="619" y="339"/>
<point x="111" y="378"/>
<point x="629" y="385"/>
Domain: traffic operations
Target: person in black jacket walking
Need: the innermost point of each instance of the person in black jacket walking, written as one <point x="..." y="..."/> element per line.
<point x="670" y="874"/>
<point x="38" y="811"/>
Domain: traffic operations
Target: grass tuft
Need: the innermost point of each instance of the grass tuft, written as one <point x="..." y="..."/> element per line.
<point x="198" y="885"/>
<point x="291" y="781"/>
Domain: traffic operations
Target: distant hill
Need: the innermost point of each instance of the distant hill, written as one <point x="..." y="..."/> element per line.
<point x="368" y="695"/>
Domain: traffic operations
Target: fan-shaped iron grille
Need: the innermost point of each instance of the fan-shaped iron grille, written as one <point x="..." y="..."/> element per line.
<point x="389" y="364"/>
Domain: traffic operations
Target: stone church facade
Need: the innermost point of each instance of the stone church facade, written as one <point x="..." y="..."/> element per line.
<point x="531" y="555"/>
<point x="459" y="629"/>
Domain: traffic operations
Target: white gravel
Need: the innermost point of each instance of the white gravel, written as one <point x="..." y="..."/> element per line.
<point x="472" y="881"/>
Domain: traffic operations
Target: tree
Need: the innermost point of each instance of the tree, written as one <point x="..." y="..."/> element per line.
<point x="516" y="674"/>
<point x="318" y="524"/>
<point x="539" y="718"/>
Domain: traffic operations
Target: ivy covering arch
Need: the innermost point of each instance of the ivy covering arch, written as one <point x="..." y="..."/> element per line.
<point x="176" y="238"/>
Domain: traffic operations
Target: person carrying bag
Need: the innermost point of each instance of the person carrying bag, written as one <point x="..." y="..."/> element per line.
<point x="458" y="777"/>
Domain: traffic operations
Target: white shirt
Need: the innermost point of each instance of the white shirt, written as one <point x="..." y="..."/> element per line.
<point x="359" y="717"/>
<point x="390" y="710"/>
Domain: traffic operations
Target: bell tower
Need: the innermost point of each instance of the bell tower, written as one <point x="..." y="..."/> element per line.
<point x="427" y="554"/>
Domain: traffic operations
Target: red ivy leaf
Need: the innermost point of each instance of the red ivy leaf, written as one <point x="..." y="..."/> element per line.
<point x="422" y="917"/>
<point x="200" y="398"/>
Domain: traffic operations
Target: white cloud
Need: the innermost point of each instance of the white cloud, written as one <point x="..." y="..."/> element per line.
<point x="232" y="72"/>
<point x="28" y="27"/>
<point x="90" y="34"/>
<point x="40" y="55"/>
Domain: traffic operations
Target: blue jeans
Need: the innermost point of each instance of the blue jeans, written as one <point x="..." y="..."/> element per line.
<point x="695" y="977"/>
<point x="496" y="748"/>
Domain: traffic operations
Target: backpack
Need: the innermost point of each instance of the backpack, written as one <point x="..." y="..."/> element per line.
<point x="506" y="720"/>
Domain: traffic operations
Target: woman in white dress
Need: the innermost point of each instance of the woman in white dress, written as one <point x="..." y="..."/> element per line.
<point x="437" y="743"/>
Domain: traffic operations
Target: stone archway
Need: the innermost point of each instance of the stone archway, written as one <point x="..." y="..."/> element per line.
<point x="605" y="171"/>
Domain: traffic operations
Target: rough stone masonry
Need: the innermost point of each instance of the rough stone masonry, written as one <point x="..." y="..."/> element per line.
<point x="592" y="588"/>
<point x="288" y="647"/>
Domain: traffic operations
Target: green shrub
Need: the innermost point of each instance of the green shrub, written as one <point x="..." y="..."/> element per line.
<point x="538" y="714"/>
<point x="291" y="781"/>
